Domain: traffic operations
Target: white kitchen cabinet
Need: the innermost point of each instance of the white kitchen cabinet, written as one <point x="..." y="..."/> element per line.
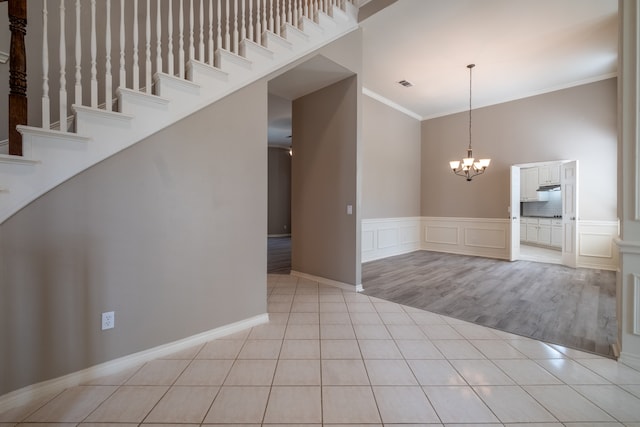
<point x="528" y="186"/>
<point x="549" y="175"/>
<point x="541" y="231"/>
<point x="556" y="233"/>
<point x="523" y="230"/>
<point x="544" y="232"/>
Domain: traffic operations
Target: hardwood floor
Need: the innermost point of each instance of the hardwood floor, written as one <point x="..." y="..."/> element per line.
<point x="279" y="255"/>
<point x="553" y="303"/>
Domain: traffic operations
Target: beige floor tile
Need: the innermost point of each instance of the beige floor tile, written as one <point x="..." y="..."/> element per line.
<point x="297" y="373"/>
<point x="481" y="372"/>
<point x="19" y="413"/>
<point x="267" y="332"/>
<point x="72" y="405"/>
<point x="304" y="319"/>
<point x="406" y="332"/>
<point x="566" y="404"/>
<point x="117" y="378"/>
<point x="221" y="349"/>
<point x="340" y="349"/>
<point x="511" y="404"/>
<point x="294" y="405"/>
<point x="458" y="349"/>
<point x="251" y="373"/>
<point x="440" y="332"/>
<point x="360" y="307"/>
<point x="425" y="318"/>
<point x="459" y="404"/>
<point x="336" y="332"/>
<point x="305" y="297"/>
<point x="344" y="372"/>
<point x="526" y="372"/>
<point x="300" y="349"/>
<point x="260" y="349"/>
<point x="205" y="373"/>
<point x="278" y="307"/>
<point x="305" y="307"/>
<point x="158" y="372"/>
<point x="280" y="298"/>
<point x="497" y="349"/>
<point x="355" y="297"/>
<point x="390" y="372"/>
<point x="371" y="332"/>
<point x="278" y="318"/>
<point x="43" y="424"/>
<point x="183" y="405"/>
<point x="129" y="404"/>
<point x="535" y="349"/>
<point x="187" y="353"/>
<point x="613" y="371"/>
<point x="113" y="425"/>
<point x="335" y="319"/>
<point x="620" y="404"/>
<point x="396" y="319"/>
<point x="418" y="349"/>
<point x="333" y="307"/>
<point x="349" y="405"/>
<point x="379" y="349"/>
<point x="365" y="319"/>
<point x="571" y="372"/>
<point x="476" y="332"/>
<point x="435" y="372"/>
<point x="331" y="297"/>
<point x="386" y="307"/>
<point x="404" y="405"/>
<point x="302" y="332"/>
<point x="238" y="405"/>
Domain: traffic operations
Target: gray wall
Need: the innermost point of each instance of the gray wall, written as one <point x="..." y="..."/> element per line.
<point x="578" y="123"/>
<point x="155" y="233"/>
<point x="279" y="206"/>
<point x="390" y="162"/>
<point x="324" y="182"/>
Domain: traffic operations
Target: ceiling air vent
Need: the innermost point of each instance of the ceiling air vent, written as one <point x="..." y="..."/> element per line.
<point x="405" y="83"/>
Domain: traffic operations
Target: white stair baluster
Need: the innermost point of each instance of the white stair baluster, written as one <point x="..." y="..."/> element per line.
<point x="94" y="52"/>
<point x="63" y="73"/>
<point x="258" y="24"/>
<point x="235" y="26"/>
<point x="201" y="35"/>
<point x="295" y="13"/>
<point x="288" y="20"/>
<point x="78" y="88"/>
<point x="158" y="37"/>
<point x="108" y="79"/>
<point x="264" y="17"/>
<point x="219" y="26"/>
<point x="170" y="39"/>
<point x="243" y="30"/>
<point x="271" y="16"/>
<point x="46" y="108"/>
<point x="250" y="29"/>
<point x="227" y="35"/>
<point x="181" y="41"/>
<point x="277" y="27"/>
<point x="123" y="71"/>
<point x="147" y="50"/>
<point x="136" y="67"/>
<point x="210" y="44"/>
<point x="192" y="47"/>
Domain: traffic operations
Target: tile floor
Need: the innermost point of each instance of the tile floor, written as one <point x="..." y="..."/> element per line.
<point x="329" y="356"/>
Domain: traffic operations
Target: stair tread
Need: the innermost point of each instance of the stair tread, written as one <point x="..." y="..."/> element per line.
<point x="100" y="111"/>
<point x="142" y="95"/>
<point x="8" y="158"/>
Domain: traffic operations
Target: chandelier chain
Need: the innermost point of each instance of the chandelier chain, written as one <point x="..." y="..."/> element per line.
<point x="470" y="86"/>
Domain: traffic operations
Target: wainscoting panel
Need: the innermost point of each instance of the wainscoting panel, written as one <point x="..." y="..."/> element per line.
<point x="385" y="237"/>
<point x="487" y="237"/>
<point x="596" y="244"/>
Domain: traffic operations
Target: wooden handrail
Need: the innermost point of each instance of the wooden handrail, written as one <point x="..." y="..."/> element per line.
<point x="17" y="74"/>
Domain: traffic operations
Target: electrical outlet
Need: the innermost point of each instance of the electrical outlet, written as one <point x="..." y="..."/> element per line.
<point x="108" y="320"/>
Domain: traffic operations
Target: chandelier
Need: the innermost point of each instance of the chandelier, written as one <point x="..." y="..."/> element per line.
<point x="469" y="167"/>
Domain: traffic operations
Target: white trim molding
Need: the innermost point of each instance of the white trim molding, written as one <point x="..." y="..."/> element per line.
<point x="596" y="244"/>
<point x="389" y="103"/>
<point x="325" y="281"/>
<point x="51" y="387"/>
<point x="636" y="304"/>
<point x="385" y="237"/>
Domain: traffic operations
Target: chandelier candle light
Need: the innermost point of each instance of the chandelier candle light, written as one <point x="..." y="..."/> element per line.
<point x="468" y="167"/>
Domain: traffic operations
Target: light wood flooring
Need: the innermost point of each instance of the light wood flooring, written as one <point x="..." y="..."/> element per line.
<point x="552" y="303"/>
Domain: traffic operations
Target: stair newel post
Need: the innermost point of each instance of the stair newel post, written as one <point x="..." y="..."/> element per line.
<point x="192" y="47"/>
<point x="250" y="29"/>
<point x="201" y="34"/>
<point x="94" y="49"/>
<point x="210" y="42"/>
<point x="147" y="50"/>
<point x="227" y="35"/>
<point x="63" y="72"/>
<point x="46" y="109"/>
<point x="218" y="26"/>
<point x="170" y="39"/>
<point x="181" y="41"/>
<point x="123" y="70"/>
<point x="78" y="76"/>
<point x="235" y="26"/>
<point x="136" y="66"/>
<point x="159" y="37"/>
<point x="108" y="80"/>
<point x="243" y="26"/>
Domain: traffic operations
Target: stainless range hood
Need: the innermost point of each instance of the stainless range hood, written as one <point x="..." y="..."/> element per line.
<point x="553" y="187"/>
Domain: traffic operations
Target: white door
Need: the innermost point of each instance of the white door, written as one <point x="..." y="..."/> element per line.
<point x="514" y="213"/>
<point x="569" y="187"/>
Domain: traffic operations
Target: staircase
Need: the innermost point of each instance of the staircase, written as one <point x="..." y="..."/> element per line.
<point x="223" y="47"/>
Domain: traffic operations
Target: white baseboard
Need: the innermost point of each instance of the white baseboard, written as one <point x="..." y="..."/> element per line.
<point x="51" y="387"/>
<point x="325" y="281"/>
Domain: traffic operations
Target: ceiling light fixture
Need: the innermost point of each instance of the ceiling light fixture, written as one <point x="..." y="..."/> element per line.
<point x="468" y="167"/>
<point x="405" y="83"/>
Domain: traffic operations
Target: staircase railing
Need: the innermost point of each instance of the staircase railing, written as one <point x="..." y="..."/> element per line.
<point x="92" y="47"/>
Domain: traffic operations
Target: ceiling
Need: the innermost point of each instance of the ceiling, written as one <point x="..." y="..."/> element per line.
<point x="520" y="47"/>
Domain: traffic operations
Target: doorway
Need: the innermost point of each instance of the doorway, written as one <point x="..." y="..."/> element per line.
<point x="544" y="212"/>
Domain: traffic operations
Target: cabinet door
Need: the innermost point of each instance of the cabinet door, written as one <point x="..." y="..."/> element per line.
<point x="544" y="235"/>
<point x="529" y="178"/>
<point x="532" y="233"/>
<point x="556" y="237"/>
<point x="543" y="175"/>
<point x="523" y="232"/>
<point x="554" y="174"/>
